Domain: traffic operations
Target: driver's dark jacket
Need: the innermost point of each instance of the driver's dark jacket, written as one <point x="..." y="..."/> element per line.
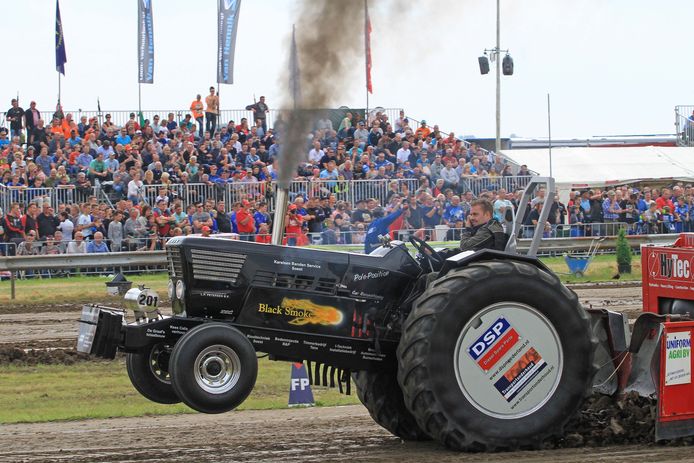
<point x="490" y="235"/>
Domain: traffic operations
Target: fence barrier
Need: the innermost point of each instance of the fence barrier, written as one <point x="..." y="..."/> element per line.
<point x="684" y="125"/>
<point x="120" y="117"/>
<point x="190" y="193"/>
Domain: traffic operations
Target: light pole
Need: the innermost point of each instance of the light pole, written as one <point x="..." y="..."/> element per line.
<point x="495" y="55"/>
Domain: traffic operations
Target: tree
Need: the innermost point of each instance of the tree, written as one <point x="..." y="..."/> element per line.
<point x="624" y="253"/>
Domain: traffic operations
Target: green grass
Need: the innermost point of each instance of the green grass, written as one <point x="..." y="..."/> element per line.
<point x="102" y="390"/>
<point x="602" y="268"/>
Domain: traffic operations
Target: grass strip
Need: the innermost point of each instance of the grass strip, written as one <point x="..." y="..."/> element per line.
<point x="32" y="394"/>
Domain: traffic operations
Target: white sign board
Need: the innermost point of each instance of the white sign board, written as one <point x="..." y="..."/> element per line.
<point x="678" y="361"/>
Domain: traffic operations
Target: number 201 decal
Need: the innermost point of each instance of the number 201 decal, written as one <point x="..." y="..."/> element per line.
<point x="147" y="300"/>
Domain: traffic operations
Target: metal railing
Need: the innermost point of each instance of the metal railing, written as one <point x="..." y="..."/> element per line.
<point x="120" y="117"/>
<point x="578" y="230"/>
<point x="190" y="193"/>
<point x="68" y="194"/>
<point x="684" y="125"/>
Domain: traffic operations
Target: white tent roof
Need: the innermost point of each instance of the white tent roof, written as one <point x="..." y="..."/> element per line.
<point x="585" y="167"/>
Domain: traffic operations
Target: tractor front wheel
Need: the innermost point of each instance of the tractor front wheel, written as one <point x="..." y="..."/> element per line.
<point x="213" y="368"/>
<point x="495" y="355"/>
<point x="149" y="373"/>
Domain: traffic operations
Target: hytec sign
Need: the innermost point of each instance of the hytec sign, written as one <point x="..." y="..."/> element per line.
<point x="670" y="265"/>
<point x="674" y="267"/>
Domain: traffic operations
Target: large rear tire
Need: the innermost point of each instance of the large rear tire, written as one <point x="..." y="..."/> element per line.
<point x="213" y="368"/>
<point x="496" y="355"/>
<point x="149" y="373"/>
<point x="381" y="395"/>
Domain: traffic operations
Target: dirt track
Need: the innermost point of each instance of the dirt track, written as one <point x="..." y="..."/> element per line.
<point x="336" y="434"/>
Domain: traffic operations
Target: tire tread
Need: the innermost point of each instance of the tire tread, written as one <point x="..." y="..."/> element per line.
<point x="414" y="347"/>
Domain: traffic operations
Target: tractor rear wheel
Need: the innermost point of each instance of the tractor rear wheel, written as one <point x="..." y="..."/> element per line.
<point x="213" y="368"/>
<point x="495" y="355"/>
<point x="149" y="373"/>
<point x="380" y="393"/>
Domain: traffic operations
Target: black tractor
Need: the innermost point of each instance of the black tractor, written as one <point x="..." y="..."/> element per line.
<point x="481" y="350"/>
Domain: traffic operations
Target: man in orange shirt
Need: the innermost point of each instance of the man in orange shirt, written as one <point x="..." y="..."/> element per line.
<point x="68" y="125"/>
<point x="56" y="128"/>
<point x="423" y="131"/>
<point x="196" y="107"/>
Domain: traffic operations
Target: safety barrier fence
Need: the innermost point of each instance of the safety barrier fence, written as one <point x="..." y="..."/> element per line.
<point x="684" y="125"/>
<point x="121" y="117"/>
<point x="344" y="190"/>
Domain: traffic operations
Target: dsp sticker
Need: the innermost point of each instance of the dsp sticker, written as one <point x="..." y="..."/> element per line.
<point x="493" y="344"/>
<point x="520" y="374"/>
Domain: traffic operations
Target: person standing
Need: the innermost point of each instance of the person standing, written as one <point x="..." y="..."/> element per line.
<point x="31" y="120"/>
<point x="260" y="110"/>
<point x="14" y="116"/>
<point x="245" y="222"/>
<point x="212" y="102"/>
<point x="196" y="108"/>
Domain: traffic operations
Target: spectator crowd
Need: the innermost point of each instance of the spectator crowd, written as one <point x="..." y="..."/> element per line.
<point x="426" y="169"/>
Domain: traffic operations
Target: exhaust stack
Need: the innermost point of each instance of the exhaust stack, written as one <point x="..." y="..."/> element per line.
<point x="280" y="213"/>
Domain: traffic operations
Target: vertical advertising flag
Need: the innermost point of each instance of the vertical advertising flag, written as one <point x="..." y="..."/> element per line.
<point x="367" y="46"/>
<point x="60" y="56"/>
<point x="227" y="21"/>
<point x="145" y="42"/>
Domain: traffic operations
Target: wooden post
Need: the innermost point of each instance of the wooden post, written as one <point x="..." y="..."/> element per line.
<point x="13" y="277"/>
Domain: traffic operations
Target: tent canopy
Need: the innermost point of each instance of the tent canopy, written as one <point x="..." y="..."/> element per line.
<point x="593" y="167"/>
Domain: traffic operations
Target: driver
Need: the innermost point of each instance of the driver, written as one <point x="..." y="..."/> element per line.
<point x="481" y="230"/>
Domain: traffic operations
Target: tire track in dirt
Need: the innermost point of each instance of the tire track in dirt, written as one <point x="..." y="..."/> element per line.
<point x="335" y="434"/>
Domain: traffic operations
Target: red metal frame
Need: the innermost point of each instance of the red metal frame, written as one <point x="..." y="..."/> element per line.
<point x="675" y="402"/>
<point x="667" y="272"/>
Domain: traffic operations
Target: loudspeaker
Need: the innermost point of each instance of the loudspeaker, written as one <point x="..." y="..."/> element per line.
<point x="507" y="65"/>
<point x="484" y="64"/>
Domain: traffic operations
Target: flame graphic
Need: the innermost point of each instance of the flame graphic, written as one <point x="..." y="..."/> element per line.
<point x="316" y="314"/>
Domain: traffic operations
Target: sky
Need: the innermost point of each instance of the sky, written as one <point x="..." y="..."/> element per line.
<point x="612" y="67"/>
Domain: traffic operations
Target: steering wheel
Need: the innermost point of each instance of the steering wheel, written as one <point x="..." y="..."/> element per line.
<point x="427" y="252"/>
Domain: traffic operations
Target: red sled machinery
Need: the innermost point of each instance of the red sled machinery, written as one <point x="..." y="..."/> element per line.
<point x="654" y="357"/>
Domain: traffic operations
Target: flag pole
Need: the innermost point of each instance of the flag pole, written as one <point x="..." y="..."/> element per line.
<point x="549" y="130"/>
<point x="219" y="98"/>
<point x="366" y="45"/>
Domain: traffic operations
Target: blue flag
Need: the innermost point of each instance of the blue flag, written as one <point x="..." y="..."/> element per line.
<point x="145" y="42"/>
<point x="227" y="22"/>
<point x="60" y="56"/>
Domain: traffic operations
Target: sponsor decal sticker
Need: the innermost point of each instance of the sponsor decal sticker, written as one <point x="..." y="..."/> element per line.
<point x="520" y="374"/>
<point x="493" y="344"/>
<point x="304" y="312"/>
<point x="678" y="362"/>
<point x="297" y="266"/>
<point x="371" y="275"/>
